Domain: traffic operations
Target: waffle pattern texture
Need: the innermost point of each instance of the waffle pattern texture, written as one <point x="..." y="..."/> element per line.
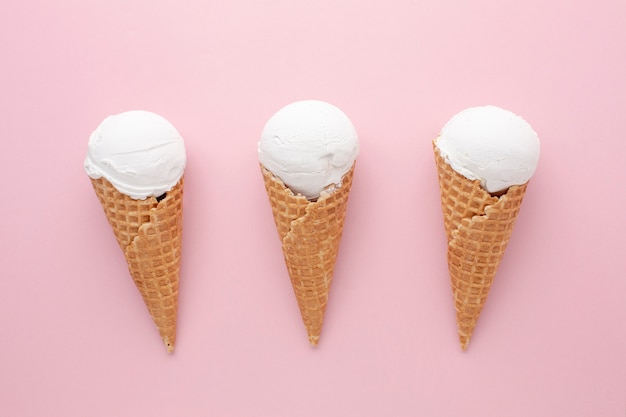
<point x="478" y="227"/>
<point x="310" y="232"/>
<point x="149" y="233"/>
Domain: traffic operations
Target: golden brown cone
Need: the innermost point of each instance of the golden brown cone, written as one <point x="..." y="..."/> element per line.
<point x="149" y="233"/>
<point x="478" y="227"/>
<point x="310" y="232"/>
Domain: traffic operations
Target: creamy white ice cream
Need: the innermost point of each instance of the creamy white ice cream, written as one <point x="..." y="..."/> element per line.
<point x="309" y="145"/>
<point x="139" y="152"/>
<point x="490" y="144"/>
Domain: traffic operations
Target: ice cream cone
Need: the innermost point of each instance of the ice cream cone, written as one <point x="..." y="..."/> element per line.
<point x="478" y="227"/>
<point x="149" y="233"/>
<point x="310" y="232"/>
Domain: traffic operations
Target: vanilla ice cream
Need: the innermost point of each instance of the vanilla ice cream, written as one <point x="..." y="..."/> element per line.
<point x="492" y="145"/>
<point x="139" y="152"/>
<point x="309" y="145"/>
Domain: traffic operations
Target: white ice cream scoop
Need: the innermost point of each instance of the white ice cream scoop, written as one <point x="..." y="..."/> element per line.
<point x="309" y="145"/>
<point x="492" y="145"/>
<point x="139" y="152"/>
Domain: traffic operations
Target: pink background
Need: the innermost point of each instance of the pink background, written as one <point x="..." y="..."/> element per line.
<point x="76" y="339"/>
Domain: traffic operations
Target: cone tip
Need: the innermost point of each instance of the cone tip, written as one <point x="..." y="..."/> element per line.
<point x="169" y="346"/>
<point x="464" y="342"/>
<point x="314" y="340"/>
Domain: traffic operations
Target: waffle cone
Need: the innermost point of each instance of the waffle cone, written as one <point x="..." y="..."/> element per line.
<point x="478" y="227"/>
<point x="310" y="232"/>
<point x="149" y="233"/>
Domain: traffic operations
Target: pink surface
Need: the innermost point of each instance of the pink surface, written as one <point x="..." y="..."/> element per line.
<point x="76" y="339"/>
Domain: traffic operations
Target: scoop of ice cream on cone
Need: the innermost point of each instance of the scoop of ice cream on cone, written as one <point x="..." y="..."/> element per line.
<point x="490" y="144"/>
<point x="485" y="157"/>
<point x="139" y="152"/>
<point x="136" y="162"/>
<point x="309" y="145"/>
<point x="307" y="153"/>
